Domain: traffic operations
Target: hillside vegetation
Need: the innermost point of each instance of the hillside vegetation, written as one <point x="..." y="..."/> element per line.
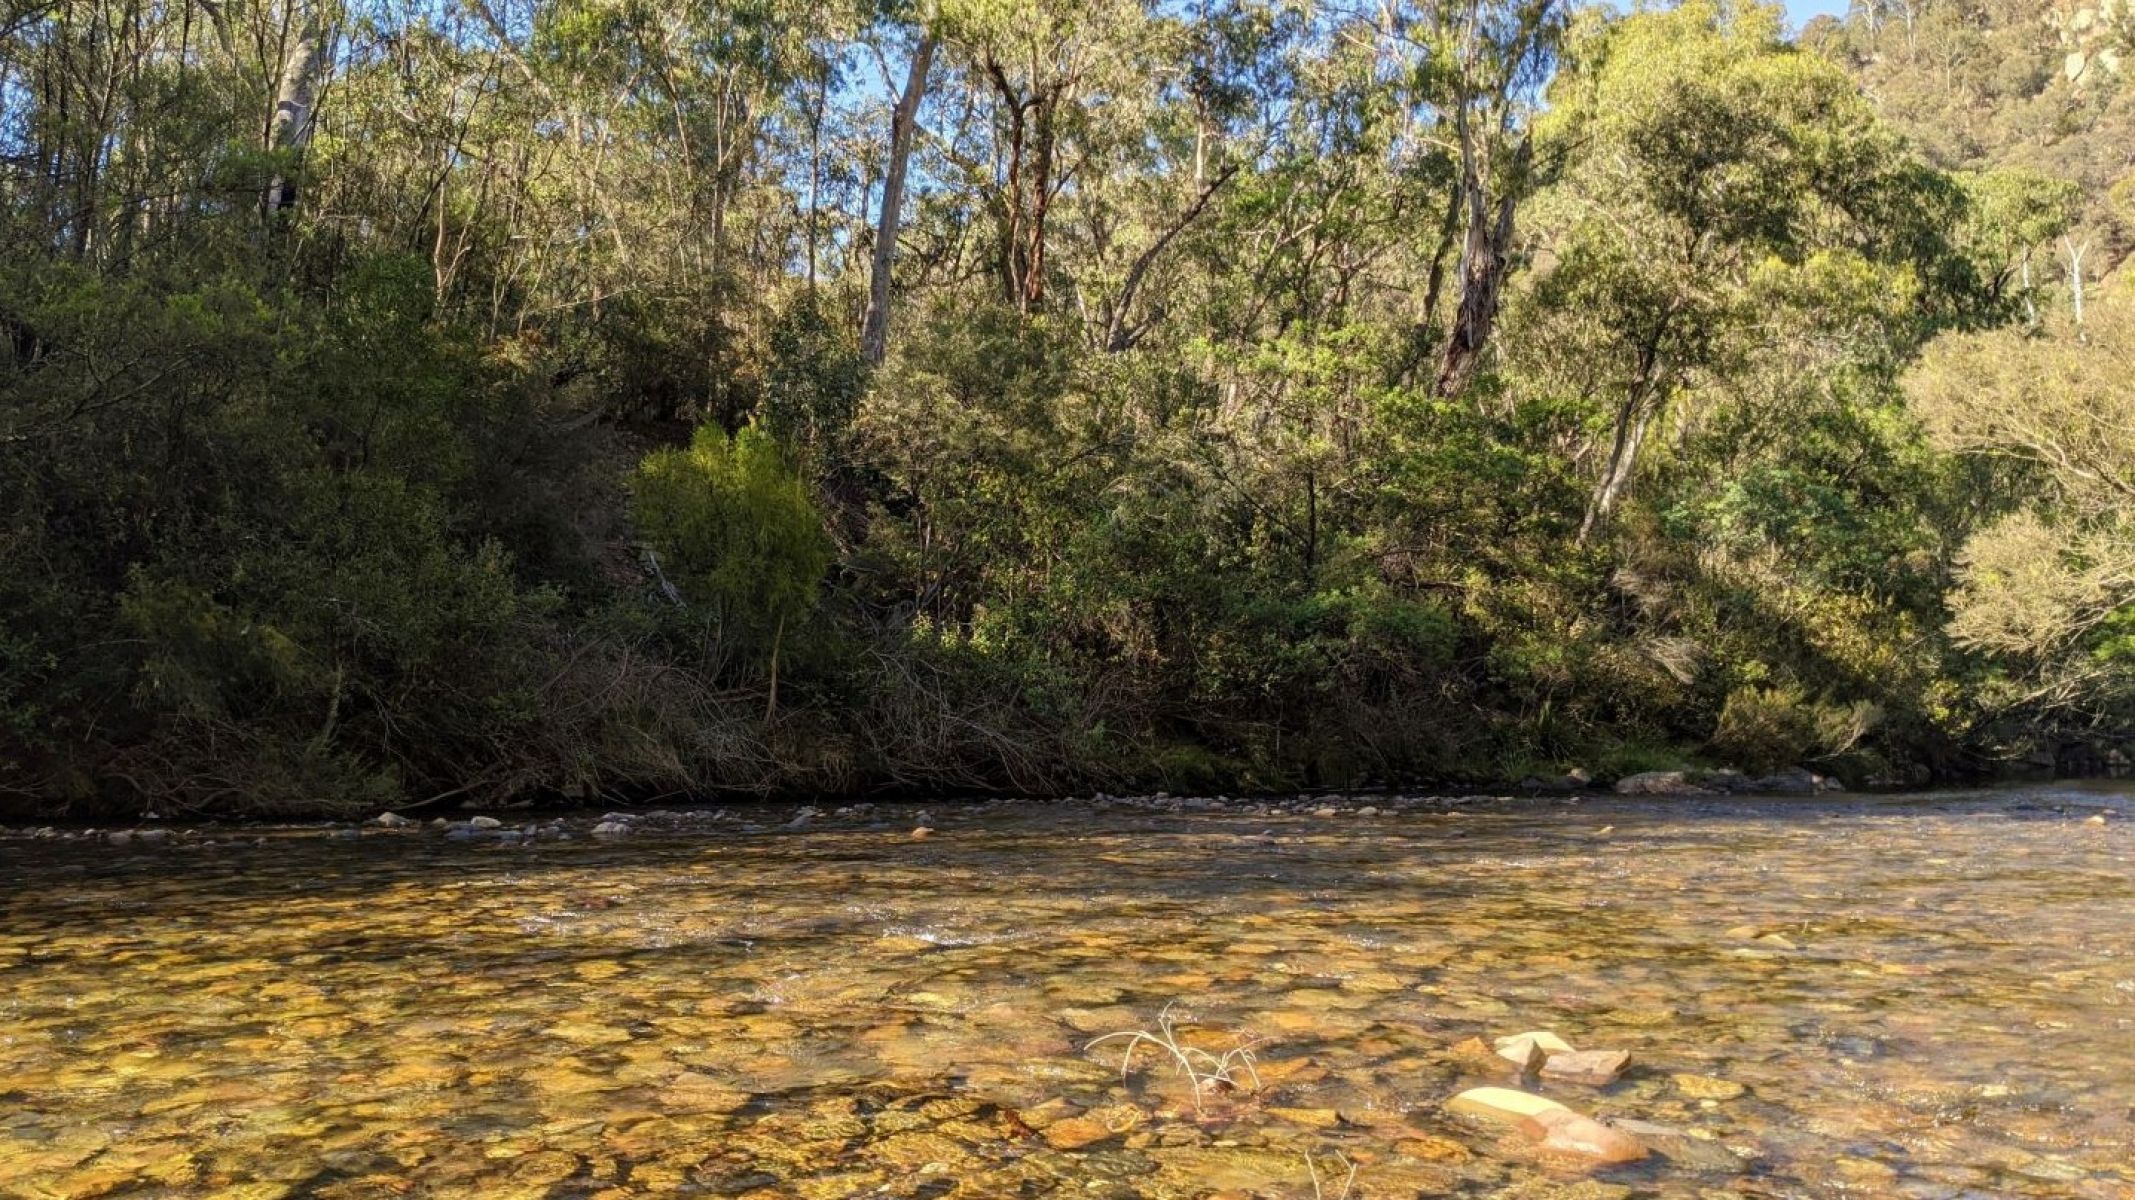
<point x="626" y="398"/>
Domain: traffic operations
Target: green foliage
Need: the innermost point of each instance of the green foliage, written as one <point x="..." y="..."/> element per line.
<point x="735" y="529"/>
<point x="812" y="389"/>
<point x="1766" y="729"/>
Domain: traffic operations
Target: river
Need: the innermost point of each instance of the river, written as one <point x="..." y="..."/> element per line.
<point x="1929" y="996"/>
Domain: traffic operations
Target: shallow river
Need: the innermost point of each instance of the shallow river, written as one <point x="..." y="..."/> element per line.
<point x="1932" y="997"/>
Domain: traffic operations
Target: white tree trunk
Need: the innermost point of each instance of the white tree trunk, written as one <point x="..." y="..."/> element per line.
<point x="904" y="129"/>
<point x="289" y="127"/>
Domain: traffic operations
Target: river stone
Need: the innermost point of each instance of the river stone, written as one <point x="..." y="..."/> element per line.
<point x="1521" y="1048"/>
<point x="391" y="820"/>
<point x="484" y="823"/>
<point x="1705" y="1087"/>
<point x="1047" y="1113"/>
<point x="1682" y="1148"/>
<point x="1598" y="1068"/>
<point x="1566" y="1132"/>
<point x="1073" y="1133"/>
<point x="1659" y="783"/>
<point x="1501" y="1104"/>
<point x="1794" y="781"/>
<point x="1478" y="1057"/>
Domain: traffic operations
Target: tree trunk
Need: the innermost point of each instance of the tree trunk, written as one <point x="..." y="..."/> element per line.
<point x="1632" y="417"/>
<point x="2075" y="273"/>
<point x="1483" y="261"/>
<point x="904" y="129"/>
<point x="1041" y="198"/>
<point x="289" y="127"/>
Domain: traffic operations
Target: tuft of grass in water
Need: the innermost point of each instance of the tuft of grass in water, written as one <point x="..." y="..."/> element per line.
<point x="1348" y="1180"/>
<point x="1205" y="1071"/>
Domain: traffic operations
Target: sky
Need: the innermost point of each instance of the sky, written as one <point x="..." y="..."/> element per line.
<point x="1799" y="11"/>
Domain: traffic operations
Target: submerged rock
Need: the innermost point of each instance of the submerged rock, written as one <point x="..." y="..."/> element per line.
<point x="1705" y="1087"/>
<point x="1073" y="1133"/>
<point x="1565" y="1132"/>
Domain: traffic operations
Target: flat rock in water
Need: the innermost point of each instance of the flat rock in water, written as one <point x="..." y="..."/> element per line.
<point x="1566" y="1132"/>
<point x="1597" y="1068"/>
<point x="1501" y="1104"/>
<point x="1521" y="1048"/>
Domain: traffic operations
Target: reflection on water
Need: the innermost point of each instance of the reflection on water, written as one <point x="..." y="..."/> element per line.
<point x="1948" y="1009"/>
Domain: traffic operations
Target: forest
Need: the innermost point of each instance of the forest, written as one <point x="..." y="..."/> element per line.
<point x="485" y="400"/>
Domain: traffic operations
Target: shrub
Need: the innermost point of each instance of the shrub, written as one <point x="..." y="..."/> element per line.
<point x="1765" y="729"/>
<point x="736" y="532"/>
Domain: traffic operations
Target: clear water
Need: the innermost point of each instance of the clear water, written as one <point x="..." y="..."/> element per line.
<point x="843" y="1011"/>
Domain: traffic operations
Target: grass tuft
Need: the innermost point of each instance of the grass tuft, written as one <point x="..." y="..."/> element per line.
<point x="1205" y="1071"/>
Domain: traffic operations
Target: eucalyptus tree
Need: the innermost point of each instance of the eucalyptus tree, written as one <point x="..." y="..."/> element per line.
<point x="1713" y="180"/>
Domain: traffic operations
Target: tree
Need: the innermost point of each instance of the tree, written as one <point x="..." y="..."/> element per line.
<point x="904" y="129"/>
<point x="1706" y="164"/>
<point x="2051" y="584"/>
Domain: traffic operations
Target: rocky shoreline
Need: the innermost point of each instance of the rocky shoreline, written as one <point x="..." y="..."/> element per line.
<point x="507" y="827"/>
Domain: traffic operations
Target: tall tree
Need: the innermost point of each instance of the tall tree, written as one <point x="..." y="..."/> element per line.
<point x="904" y="131"/>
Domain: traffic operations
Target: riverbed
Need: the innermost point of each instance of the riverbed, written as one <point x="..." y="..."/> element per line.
<point x="1929" y="997"/>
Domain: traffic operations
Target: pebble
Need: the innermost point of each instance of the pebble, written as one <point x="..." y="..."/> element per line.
<point x="484" y="823"/>
<point x="921" y="833"/>
<point x="611" y="829"/>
